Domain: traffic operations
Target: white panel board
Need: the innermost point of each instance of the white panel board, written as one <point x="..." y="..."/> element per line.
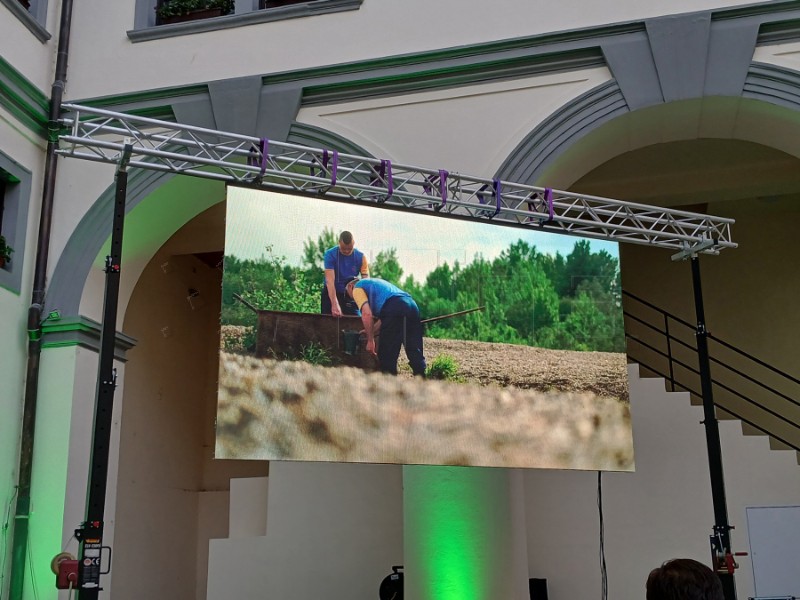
<point x="774" y="547"/>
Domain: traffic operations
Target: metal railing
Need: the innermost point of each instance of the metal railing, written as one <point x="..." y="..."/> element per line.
<point x="745" y="387"/>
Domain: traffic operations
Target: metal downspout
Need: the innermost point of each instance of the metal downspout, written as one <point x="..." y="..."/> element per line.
<point x="19" y="544"/>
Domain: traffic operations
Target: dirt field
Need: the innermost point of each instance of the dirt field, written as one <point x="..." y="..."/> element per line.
<point x="518" y="407"/>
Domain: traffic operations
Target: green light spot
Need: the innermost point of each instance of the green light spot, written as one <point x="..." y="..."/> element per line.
<point x="457" y="531"/>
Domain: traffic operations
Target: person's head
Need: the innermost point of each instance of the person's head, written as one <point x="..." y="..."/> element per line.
<point x="683" y="579"/>
<point x="346" y="243"/>
<point x="350" y="285"/>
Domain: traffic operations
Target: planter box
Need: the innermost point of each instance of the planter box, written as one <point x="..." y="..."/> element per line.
<point x="205" y="13"/>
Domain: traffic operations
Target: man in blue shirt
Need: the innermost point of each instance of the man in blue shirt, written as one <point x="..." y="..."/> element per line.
<point x="388" y="309"/>
<point x="341" y="263"/>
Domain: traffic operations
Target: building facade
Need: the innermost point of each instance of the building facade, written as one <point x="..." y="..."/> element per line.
<point x="689" y="104"/>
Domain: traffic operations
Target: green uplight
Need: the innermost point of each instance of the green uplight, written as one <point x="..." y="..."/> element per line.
<point x="456" y="535"/>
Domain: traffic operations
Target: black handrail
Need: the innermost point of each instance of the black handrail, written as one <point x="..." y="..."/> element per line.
<point x="667" y="336"/>
<point x="692" y="326"/>
<point x="754" y="359"/>
<point x="722" y="408"/>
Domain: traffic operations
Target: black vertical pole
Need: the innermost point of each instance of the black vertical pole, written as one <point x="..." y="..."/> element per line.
<point x="721" y="540"/>
<point x="90" y="533"/>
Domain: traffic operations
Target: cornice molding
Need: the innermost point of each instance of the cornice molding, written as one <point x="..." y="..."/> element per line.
<point x="84" y="332"/>
<point x="23" y="100"/>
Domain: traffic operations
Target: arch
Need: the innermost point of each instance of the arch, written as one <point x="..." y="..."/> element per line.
<point x="599" y="125"/>
<point x="158" y="204"/>
<point x="317" y="137"/>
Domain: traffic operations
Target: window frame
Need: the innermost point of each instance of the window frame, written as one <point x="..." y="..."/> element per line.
<point x="34" y="17"/>
<point x="247" y="12"/>
<point x="16" y="201"/>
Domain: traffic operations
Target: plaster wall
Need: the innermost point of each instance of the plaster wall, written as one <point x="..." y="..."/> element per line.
<point x="452" y="129"/>
<point x="155" y="220"/>
<point x="79" y="184"/>
<point x="333" y="531"/>
<point x="171" y="495"/>
<point x="23" y="50"/>
<point x="723" y="118"/>
<point x="62" y="450"/>
<point x="377" y="29"/>
<point x="749" y="295"/>
<point x="661" y="511"/>
<point x="158" y="505"/>
<point x="13" y="307"/>
<point x="785" y="55"/>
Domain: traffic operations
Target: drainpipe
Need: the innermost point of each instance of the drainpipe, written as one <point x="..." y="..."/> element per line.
<point x="19" y="544"/>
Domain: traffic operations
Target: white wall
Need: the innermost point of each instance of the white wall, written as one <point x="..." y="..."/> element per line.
<point x="443" y="129"/>
<point x="171" y="495"/>
<point x="661" y="511"/>
<point x="18" y="144"/>
<point x="25" y="52"/>
<point x="333" y="531"/>
<point x="380" y="28"/>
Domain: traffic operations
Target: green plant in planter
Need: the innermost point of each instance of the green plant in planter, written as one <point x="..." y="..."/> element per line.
<point x="174" y="8"/>
<point x="5" y="250"/>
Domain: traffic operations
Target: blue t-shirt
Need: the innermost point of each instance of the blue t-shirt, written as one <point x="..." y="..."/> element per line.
<point x="344" y="267"/>
<point x="378" y="292"/>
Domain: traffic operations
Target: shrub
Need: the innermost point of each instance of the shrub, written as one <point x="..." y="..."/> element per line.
<point x="443" y="367"/>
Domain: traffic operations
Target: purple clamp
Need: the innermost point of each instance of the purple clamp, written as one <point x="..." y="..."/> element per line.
<point x="334" y="165"/>
<point x="548" y="197"/>
<point x="384" y="173"/>
<point x="498" y="194"/>
<point x="443" y="187"/>
<point x="258" y="157"/>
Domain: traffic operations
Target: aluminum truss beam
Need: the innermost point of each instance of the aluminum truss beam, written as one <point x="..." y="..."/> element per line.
<point x="101" y="135"/>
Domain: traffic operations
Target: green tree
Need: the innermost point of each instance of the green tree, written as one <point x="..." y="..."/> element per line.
<point x="314" y="249"/>
<point x="267" y="283"/>
<point x="386" y="266"/>
<point x="587" y="326"/>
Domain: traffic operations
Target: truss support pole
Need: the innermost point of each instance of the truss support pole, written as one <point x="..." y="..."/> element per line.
<point x="90" y="534"/>
<point x="722" y="555"/>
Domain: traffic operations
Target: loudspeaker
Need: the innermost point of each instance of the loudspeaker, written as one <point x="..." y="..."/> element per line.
<point x="538" y="589"/>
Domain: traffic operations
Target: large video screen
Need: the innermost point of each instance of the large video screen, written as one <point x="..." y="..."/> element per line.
<point x="454" y="342"/>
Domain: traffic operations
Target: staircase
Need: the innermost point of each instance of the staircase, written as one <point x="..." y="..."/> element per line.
<point x="744" y="387"/>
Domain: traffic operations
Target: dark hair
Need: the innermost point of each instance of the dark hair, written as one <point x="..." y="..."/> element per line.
<point x="346" y="237"/>
<point x="683" y="579"/>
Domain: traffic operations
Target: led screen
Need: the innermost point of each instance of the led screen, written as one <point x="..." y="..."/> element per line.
<point x="521" y="333"/>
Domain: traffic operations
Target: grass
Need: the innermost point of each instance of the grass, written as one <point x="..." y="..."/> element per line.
<point x="443" y="367"/>
<point x="316" y="354"/>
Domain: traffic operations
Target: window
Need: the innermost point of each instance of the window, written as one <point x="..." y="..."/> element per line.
<point x="180" y="11"/>
<point x="156" y="19"/>
<point x="15" y="190"/>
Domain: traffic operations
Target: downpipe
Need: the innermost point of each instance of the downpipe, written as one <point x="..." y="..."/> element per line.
<point x="22" y="511"/>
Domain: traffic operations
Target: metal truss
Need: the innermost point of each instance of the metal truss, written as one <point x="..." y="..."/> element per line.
<point x="101" y="135"/>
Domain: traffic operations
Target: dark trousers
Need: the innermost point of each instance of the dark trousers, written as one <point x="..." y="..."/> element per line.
<point x="346" y="303"/>
<point x="400" y="326"/>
